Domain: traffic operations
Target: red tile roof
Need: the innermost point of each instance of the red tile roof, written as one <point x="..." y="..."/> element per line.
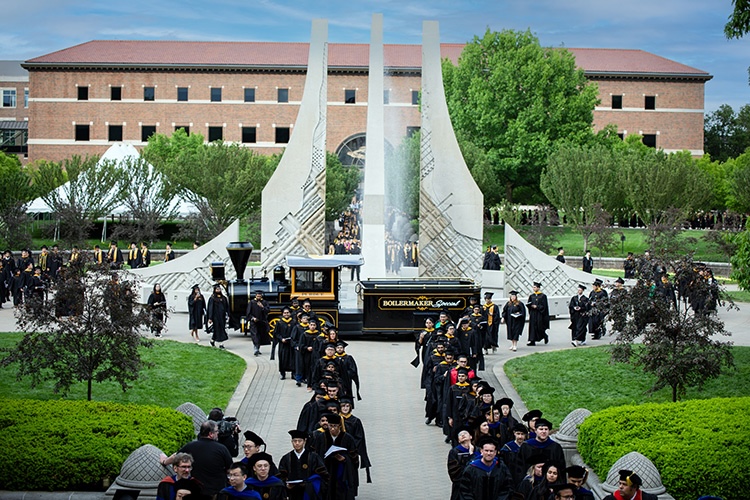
<point x="340" y="55"/>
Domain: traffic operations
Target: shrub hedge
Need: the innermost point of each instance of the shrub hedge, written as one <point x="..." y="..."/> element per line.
<point x="74" y="445"/>
<point x="699" y="446"/>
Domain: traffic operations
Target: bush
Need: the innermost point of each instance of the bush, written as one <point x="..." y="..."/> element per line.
<point x="68" y="445"/>
<point x="697" y="446"/>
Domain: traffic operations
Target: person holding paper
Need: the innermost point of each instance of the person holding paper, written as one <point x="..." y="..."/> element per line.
<point x="303" y="470"/>
<point x="341" y="459"/>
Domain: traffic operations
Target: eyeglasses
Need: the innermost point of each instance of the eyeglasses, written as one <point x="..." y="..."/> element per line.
<point x="248" y="446"/>
<point x="184" y="466"/>
<point x="230" y="476"/>
<point x="567" y="497"/>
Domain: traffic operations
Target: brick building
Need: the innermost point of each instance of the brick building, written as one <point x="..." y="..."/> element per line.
<point x="14" y="108"/>
<point x="87" y="97"/>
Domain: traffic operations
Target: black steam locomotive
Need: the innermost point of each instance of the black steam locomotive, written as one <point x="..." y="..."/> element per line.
<point x="383" y="306"/>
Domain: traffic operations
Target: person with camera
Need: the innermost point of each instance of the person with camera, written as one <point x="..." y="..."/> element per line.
<point x="229" y="430"/>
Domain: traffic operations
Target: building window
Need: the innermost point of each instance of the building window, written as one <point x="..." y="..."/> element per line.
<point x="386" y="96"/>
<point x="183" y="127"/>
<point x="83" y="93"/>
<point x="147" y="131"/>
<point x="282" y="135"/>
<point x="182" y="93"/>
<point x="149" y="93"/>
<point x="248" y="134"/>
<point x="415" y="97"/>
<point x="82" y="133"/>
<point x="9" y="98"/>
<point x="650" y="102"/>
<point x="215" y="134"/>
<point x="115" y="133"/>
<point x="215" y="94"/>
<point x="25" y="98"/>
<point x="250" y="95"/>
<point x="282" y="95"/>
<point x="649" y="140"/>
<point x="350" y="96"/>
<point x="410" y="131"/>
<point x="115" y="93"/>
<point x="616" y="102"/>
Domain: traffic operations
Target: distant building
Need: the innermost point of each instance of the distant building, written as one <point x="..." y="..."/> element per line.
<point x="87" y="97"/>
<point x="14" y="111"/>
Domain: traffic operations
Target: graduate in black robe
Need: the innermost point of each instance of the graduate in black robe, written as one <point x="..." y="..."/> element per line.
<point x="538" y="316"/>
<point x="216" y="316"/>
<point x="578" y="308"/>
<point x="196" y="311"/>
<point x="492" y="313"/>
<point x="157" y="304"/>
<point x="349" y="372"/>
<point x="306" y="335"/>
<point x="342" y="464"/>
<point x="514" y="318"/>
<point x="543" y="444"/>
<point x="598" y="303"/>
<point x="354" y="427"/>
<point x="458" y="458"/>
<point x="269" y="487"/>
<point x="486" y="478"/>
<point x="283" y="335"/>
<point x="303" y="470"/>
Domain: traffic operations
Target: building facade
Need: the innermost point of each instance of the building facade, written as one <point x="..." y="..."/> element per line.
<point x="87" y="97"/>
<point x="14" y="108"/>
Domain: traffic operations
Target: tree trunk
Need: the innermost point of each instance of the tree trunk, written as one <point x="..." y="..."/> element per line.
<point x="674" y="393"/>
<point x="89" y="389"/>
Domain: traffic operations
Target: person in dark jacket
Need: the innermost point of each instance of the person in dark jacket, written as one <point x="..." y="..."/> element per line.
<point x="588" y="262"/>
<point x="538" y="315"/>
<point x="578" y="307"/>
<point x="514" y="317"/>
<point x="216" y="317"/>
<point x="257" y="320"/>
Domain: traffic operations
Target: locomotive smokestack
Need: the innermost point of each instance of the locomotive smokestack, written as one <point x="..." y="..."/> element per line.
<point x="239" y="252"/>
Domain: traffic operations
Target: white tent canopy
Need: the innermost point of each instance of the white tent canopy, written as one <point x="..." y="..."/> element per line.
<point x="118" y="153"/>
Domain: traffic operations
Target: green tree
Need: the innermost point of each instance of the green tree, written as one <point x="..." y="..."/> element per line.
<point x="16" y="191"/>
<point x="79" y="191"/>
<point x="678" y="346"/>
<point x="148" y="198"/>
<point x="726" y="133"/>
<point x="738" y="24"/>
<point x="341" y="184"/>
<point x="741" y="259"/>
<point x="224" y="181"/>
<point x="88" y="333"/>
<point x="581" y="182"/>
<point x="739" y="184"/>
<point x="515" y="100"/>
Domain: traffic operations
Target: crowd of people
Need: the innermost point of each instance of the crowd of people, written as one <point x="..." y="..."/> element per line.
<point x="493" y="456"/>
<point x="328" y="445"/>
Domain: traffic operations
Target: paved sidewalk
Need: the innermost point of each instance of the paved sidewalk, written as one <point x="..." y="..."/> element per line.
<point x="403" y="450"/>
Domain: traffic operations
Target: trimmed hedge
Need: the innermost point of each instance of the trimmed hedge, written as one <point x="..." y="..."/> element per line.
<point x="699" y="446"/>
<point x="74" y="445"/>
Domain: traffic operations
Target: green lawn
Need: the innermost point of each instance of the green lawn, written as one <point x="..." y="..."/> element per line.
<point x="181" y="372"/>
<point x="559" y="382"/>
<point x="635" y="241"/>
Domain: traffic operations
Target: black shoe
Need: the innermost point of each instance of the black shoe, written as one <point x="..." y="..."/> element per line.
<point x="256" y="353"/>
<point x="546" y="339"/>
<point x="271" y="358"/>
<point x="283" y="377"/>
<point x="428" y="421"/>
<point x="221" y="346"/>
<point x="438" y="423"/>
<point x="299" y="384"/>
<point x="448" y="440"/>
<point x="531" y="344"/>
<point x="213" y="344"/>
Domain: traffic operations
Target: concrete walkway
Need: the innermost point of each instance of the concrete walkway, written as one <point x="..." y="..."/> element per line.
<point x="403" y="450"/>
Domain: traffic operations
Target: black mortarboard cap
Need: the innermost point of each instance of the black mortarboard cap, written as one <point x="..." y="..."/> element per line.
<point x="537" y="283"/>
<point x="582" y="286"/>
<point x="558" y="487"/>
<point x="576" y="471"/>
<point x="465" y="371"/>
<point x="251" y="436"/>
<point x="631" y="478"/>
<point x="543" y="422"/>
<point x="298" y="434"/>
<point x="341" y="343"/>
<point x="597" y="282"/>
<point x="257" y="457"/>
<point x="485" y="388"/>
<point x="529" y="416"/>
<point x="488" y="295"/>
<point x="620" y="280"/>
<point x="513" y="292"/>
<point x="332" y="418"/>
<point x="486" y="440"/>
<point x="504" y="401"/>
<point x="520" y="428"/>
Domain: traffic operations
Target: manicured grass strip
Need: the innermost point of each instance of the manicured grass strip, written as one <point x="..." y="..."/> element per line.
<point x="740" y="295"/>
<point x="181" y="372"/>
<point x="559" y="382"/>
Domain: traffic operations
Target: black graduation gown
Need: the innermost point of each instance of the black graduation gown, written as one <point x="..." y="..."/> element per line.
<point x="196" y="310"/>
<point x="157" y="303"/>
<point x="349" y="373"/>
<point x="538" y="317"/>
<point x="134" y="258"/>
<point x="597" y="312"/>
<point x="356" y="430"/>
<point x="310" y="468"/>
<point x="458" y="458"/>
<point x="272" y="488"/>
<point x="578" y="317"/>
<point x="479" y="482"/>
<point x="343" y="476"/>
<point x="513" y="322"/>
<point x="257" y="321"/>
<point x="283" y="332"/>
<point x="304" y="355"/>
<point x="492" y="313"/>
<point x="456" y="404"/>
<point x="218" y="308"/>
<point x="551" y="450"/>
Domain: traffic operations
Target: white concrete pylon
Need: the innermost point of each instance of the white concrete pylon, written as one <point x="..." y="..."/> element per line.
<point x="373" y="203"/>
